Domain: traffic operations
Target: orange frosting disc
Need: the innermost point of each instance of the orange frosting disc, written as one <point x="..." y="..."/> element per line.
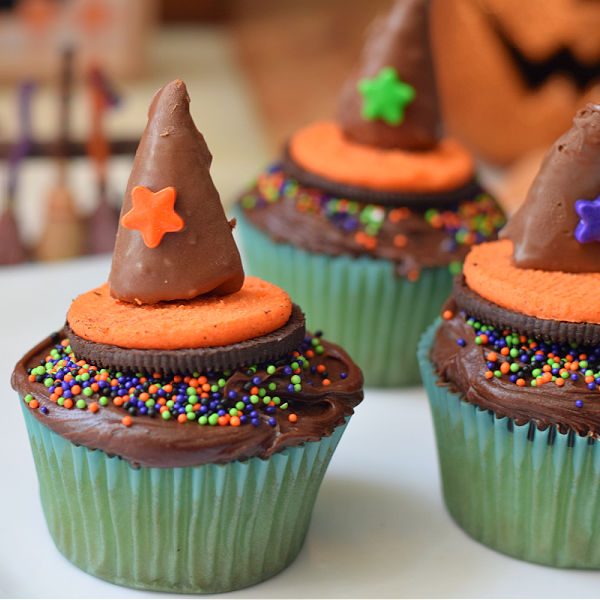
<point x="257" y="309"/>
<point x="555" y="295"/>
<point x="322" y="148"/>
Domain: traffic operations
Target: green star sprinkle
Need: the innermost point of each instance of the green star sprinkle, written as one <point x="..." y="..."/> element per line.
<point x="385" y="97"/>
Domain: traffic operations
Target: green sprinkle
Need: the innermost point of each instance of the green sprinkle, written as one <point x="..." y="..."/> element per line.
<point x="88" y="391"/>
<point x="295" y="379"/>
<point x="298" y="387"/>
<point x="81" y="403"/>
<point x="60" y="401"/>
<point x="254" y="399"/>
<point x="283" y="406"/>
<point x="240" y="405"/>
<point x="28" y="398"/>
<point x="272" y="386"/>
<point x="104" y="401"/>
<point x="213" y="419"/>
<point x="203" y="420"/>
<point x="191" y="416"/>
<point x="271" y="369"/>
<point x="166" y="415"/>
<point x="170" y="403"/>
<point x="48" y="381"/>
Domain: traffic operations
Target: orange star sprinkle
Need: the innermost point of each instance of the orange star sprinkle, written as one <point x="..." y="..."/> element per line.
<point x="153" y="214"/>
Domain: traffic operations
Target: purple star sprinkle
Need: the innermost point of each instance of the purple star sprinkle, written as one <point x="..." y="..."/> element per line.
<point x="588" y="228"/>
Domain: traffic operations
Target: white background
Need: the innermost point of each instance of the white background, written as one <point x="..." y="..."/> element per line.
<point x="379" y="527"/>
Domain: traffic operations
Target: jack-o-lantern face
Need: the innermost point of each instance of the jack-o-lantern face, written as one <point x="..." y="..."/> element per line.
<point x="512" y="73"/>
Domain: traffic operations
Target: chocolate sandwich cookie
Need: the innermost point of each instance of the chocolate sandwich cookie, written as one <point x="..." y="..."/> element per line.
<point x="269" y="347"/>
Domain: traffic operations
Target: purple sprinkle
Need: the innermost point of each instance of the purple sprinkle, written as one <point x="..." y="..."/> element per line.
<point x="67" y="393"/>
<point x="574" y="376"/>
<point x="287" y="370"/>
<point x="578" y="403"/>
<point x="343" y="375"/>
<point x="255" y="422"/>
<point x="44" y="410"/>
<point x="290" y="387"/>
<point x="221" y="413"/>
<point x="231" y="394"/>
<point x="256" y="380"/>
<point x="272" y="421"/>
<point x="461" y="342"/>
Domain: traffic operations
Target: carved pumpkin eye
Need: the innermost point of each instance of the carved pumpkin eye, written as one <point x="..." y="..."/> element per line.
<point x="512" y="73"/>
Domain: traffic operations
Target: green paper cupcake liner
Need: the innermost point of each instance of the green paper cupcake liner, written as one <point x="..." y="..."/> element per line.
<point x="359" y="303"/>
<point x="527" y="493"/>
<point x="210" y="528"/>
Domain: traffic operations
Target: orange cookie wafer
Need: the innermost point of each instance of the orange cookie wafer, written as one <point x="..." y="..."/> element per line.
<point x="323" y="149"/>
<point x="257" y="309"/>
<point x="555" y="295"/>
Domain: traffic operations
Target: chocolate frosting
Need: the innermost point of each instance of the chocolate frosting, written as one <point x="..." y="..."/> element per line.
<point x="400" y="40"/>
<point x="426" y="246"/>
<point x="543" y="229"/>
<point x="203" y="256"/>
<point x="158" y="443"/>
<point x="462" y="369"/>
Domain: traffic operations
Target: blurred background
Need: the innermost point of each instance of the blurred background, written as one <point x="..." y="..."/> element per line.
<point x="77" y="76"/>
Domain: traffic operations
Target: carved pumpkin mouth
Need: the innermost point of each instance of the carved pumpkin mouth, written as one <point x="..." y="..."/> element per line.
<point x="535" y="73"/>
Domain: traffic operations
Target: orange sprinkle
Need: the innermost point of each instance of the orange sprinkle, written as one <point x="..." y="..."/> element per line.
<point x="326" y="382"/>
<point x="320" y="368"/>
<point x="176" y="379"/>
<point x="202" y="380"/>
<point x="254" y="391"/>
<point x="31" y="377"/>
<point x="413" y="275"/>
<point x="144" y="396"/>
<point x="546" y="368"/>
<point x="559" y="381"/>
<point x="400" y="240"/>
<point x="448" y="314"/>
<point x="156" y="375"/>
<point x="68" y="403"/>
<point x="54" y="397"/>
<point x="193" y="382"/>
<point x="118" y="401"/>
<point x="33" y="403"/>
<point x="126" y="420"/>
<point x="235" y="421"/>
<point x="504" y="368"/>
<point x="153" y="389"/>
<point x="488" y="374"/>
<point x="492" y="357"/>
<point x="292" y="418"/>
<point x="162" y="409"/>
<point x="76" y="389"/>
<point x="309" y="354"/>
<point x="520" y="382"/>
<point x="168" y="388"/>
<point x="206" y="387"/>
<point x="93" y="406"/>
<point x="222" y="420"/>
<point x="95" y="387"/>
<point x="397" y="214"/>
<point x="182" y="418"/>
<point x="484" y="338"/>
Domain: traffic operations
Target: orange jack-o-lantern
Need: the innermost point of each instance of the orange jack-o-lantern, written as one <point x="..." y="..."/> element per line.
<point x="512" y="73"/>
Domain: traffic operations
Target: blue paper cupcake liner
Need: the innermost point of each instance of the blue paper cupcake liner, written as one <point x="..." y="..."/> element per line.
<point x="210" y="528"/>
<point x="359" y="303"/>
<point x="527" y="493"/>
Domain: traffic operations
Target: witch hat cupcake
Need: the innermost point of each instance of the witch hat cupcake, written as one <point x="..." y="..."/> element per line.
<point x="368" y="215"/>
<point x="203" y="380"/>
<point x="513" y="370"/>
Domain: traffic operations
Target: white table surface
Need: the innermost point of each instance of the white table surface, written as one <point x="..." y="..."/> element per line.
<point x="379" y="527"/>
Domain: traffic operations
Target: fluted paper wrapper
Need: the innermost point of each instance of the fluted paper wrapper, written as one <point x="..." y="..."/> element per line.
<point x="210" y="528"/>
<point x="532" y="494"/>
<point x="359" y="303"/>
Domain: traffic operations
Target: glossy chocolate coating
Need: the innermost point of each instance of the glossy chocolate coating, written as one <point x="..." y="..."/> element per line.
<point x="543" y="229"/>
<point x="400" y="39"/>
<point x="203" y="256"/>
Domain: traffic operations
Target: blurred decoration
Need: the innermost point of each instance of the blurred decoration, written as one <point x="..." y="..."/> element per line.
<point x="512" y="73"/>
<point x="101" y="225"/>
<point x="115" y="32"/>
<point x="12" y="247"/>
<point x="62" y="235"/>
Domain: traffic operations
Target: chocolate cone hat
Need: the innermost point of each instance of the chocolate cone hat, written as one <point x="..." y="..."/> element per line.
<point x="391" y="99"/>
<point x="558" y="226"/>
<point x="174" y="241"/>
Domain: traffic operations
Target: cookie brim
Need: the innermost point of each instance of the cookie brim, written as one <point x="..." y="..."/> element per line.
<point x="488" y="312"/>
<point x="266" y="348"/>
<point x="410" y="199"/>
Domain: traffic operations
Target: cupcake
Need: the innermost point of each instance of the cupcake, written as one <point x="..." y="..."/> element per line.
<point x="182" y="420"/>
<point x="366" y="218"/>
<point x="513" y="369"/>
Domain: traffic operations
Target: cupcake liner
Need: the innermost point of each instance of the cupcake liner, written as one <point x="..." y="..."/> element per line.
<point x="210" y="528"/>
<point x="359" y="303"/>
<point x="527" y="493"/>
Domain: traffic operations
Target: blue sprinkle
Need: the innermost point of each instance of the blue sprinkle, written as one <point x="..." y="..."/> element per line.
<point x="343" y="375"/>
<point x="461" y="342"/>
<point x="578" y="403"/>
<point x="272" y="421"/>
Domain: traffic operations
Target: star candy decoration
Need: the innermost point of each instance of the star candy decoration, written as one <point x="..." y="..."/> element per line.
<point x="153" y="214"/>
<point x="385" y="97"/>
<point x="588" y="228"/>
